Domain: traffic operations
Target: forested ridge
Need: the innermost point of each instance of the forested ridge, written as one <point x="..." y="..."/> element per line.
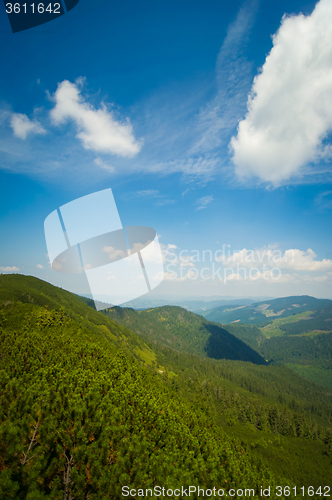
<point x="267" y="311"/>
<point x="87" y="406"/>
<point x="302" y="341"/>
<point x="184" y="331"/>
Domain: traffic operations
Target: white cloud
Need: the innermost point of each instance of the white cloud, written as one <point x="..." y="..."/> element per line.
<point x="186" y="261"/>
<point x="97" y="128"/>
<point x="290" y="105"/>
<point x="8" y="269"/>
<point x="160" y="200"/>
<point x="300" y="260"/>
<point x="40" y="266"/>
<point x="324" y="201"/>
<point x="234" y="76"/>
<point x="105" y="166"/>
<point x="204" y="202"/>
<point x="114" y="254"/>
<point x="291" y="259"/>
<point x="22" y="126"/>
<point x="148" y="193"/>
<point x="203" y="166"/>
<point x="164" y="201"/>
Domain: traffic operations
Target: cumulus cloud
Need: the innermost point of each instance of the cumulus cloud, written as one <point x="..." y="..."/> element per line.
<point x="291" y="259"/>
<point x="97" y="128"/>
<point x="22" y="126"/>
<point x="290" y="104"/>
<point x="204" y="202"/>
<point x="8" y="269"/>
<point x="40" y="266"/>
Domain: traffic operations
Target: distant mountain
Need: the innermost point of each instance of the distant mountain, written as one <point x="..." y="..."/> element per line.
<point x="302" y="341"/>
<point x="266" y="311"/>
<point x="191" y="303"/>
<point x="198" y="307"/>
<point x="184" y="331"/>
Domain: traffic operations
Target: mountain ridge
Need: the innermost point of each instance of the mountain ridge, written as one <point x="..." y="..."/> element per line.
<point x="184" y="331"/>
<point x="266" y="311"/>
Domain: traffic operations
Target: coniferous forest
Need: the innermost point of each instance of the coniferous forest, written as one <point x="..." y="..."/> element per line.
<point x="92" y="402"/>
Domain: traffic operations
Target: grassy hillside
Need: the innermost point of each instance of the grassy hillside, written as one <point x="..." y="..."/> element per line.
<point x="87" y="406"/>
<point x="267" y="311"/>
<point x="185" y="332"/>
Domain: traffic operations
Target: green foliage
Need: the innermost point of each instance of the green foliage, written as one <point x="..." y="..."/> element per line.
<point x="87" y="406"/>
<point x="297" y="349"/>
<point x="250" y="334"/>
<point x="320" y="376"/>
<point x="79" y="418"/>
<point x="184" y="331"/>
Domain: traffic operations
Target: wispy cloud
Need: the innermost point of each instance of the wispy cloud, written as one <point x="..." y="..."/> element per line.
<point x="105" y="166"/>
<point x="324" y="201"/>
<point x="195" y="130"/>
<point x="204" y="202"/>
<point x="234" y="77"/>
<point x="159" y="199"/>
<point x="147" y="193"/>
<point x="178" y="137"/>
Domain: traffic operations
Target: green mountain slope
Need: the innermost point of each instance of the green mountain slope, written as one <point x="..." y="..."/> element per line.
<point x="267" y="311"/>
<point x="184" y="331"/>
<point x="30" y="290"/>
<point x="80" y="417"/>
<point x="87" y="406"/>
<point x="307" y="350"/>
<point x="296" y="341"/>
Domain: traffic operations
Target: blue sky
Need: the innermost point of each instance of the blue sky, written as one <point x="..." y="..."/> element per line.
<point x="151" y="99"/>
